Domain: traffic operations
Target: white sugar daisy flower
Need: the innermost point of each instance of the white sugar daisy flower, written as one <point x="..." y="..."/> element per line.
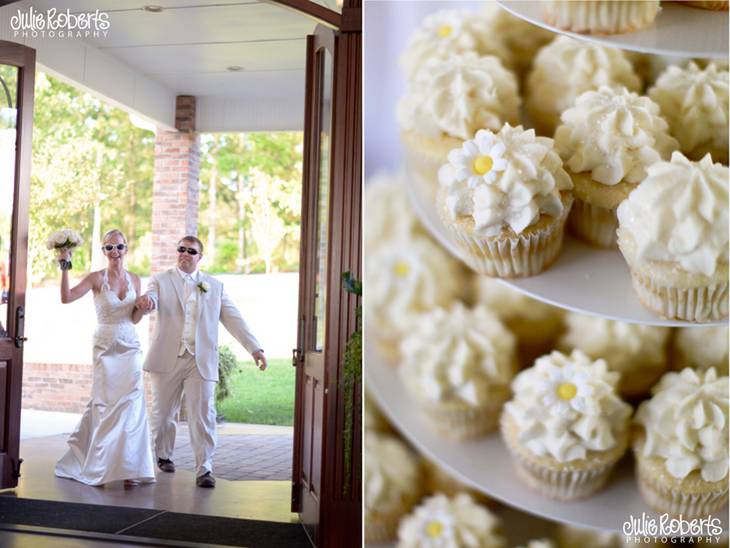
<point x="566" y="389"/>
<point x="479" y="160"/>
<point x="445" y="26"/>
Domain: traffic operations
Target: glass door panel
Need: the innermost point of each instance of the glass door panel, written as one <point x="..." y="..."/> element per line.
<point x="8" y="143"/>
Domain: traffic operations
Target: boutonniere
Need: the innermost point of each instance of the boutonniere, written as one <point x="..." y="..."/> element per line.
<point x="203" y="287"/>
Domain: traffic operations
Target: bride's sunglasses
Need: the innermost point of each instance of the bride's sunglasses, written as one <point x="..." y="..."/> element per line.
<point x="109" y="247"/>
<point x="188" y="250"/>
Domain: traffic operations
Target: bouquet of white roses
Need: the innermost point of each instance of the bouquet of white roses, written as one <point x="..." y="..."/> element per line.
<point x="64" y="239"/>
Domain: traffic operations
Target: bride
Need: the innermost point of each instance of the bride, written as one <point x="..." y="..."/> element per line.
<point x="112" y="441"/>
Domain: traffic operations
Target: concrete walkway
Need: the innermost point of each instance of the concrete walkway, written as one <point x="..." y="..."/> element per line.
<point x="244" y="451"/>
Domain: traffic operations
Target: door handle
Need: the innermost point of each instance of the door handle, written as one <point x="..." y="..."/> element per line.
<point x="296" y="356"/>
<point x="20" y="327"/>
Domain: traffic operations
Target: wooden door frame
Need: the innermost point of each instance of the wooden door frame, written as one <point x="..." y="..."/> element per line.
<point x="340" y="507"/>
<point x="23" y="58"/>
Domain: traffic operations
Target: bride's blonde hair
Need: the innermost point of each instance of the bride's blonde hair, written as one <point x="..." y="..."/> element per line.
<point x="114" y="232"/>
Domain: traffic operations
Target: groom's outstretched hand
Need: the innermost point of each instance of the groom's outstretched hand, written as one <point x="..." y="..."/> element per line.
<point x="260" y="359"/>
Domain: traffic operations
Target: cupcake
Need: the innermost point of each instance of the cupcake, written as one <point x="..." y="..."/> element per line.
<point x="457" y="364"/>
<point x="405" y="279"/>
<point x="521" y="38"/>
<point x="392" y="485"/>
<point x="389" y="212"/>
<point x="565" y="426"/>
<point x="695" y="103"/>
<point x="637" y="352"/>
<point x="681" y="444"/>
<point x="536" y="325"/>
<point x="456" y="522"/>
<point x="606" y="141"/>
<point x="449" y="32"/>
<point x="701" y="348"/>
<point x="600" y="16"/>
<point x="505" y="197"/>
<point x="446" y="104"/>
<point x="673" y="233"/>
<point x="566" y="68"/>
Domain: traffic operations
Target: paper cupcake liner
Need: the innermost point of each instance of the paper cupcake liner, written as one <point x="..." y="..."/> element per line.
<point x="693" y="304"/>
<point x="557" y="483"/>
<point x="461" y="421"/>
<point x="664" y="499"/>
<point x="562" y="484"/>
<point x="516" y="257"/>
<point x="596" y="17"/>
<point x="592" y="224"/>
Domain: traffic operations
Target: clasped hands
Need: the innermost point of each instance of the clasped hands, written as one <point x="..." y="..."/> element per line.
<point x="144" y="303"/>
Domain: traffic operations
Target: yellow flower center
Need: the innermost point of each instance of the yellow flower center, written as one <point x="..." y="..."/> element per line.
<point x="483" y="164"/>
<point x="567" y="391"/>
<point x="434" y="529"/>
<point x="444" y="31"/>
<point x="401" y="269"/>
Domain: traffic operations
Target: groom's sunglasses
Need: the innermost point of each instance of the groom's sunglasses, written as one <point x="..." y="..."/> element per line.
<point x="188" y="250"/>
<point x="109" y="247"/>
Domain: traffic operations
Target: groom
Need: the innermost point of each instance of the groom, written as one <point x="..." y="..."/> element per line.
<point x="183" y="354"/>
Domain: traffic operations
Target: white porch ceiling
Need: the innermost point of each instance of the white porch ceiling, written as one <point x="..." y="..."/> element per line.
<point x="147" y="59"/>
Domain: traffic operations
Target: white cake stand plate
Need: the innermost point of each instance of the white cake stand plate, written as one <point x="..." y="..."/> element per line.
<point x="486" y="464"/>
<point x="678" y="31"/>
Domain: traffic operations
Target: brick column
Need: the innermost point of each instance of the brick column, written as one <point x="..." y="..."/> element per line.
<point x="175" y="193"/>
<point x="176" y="186"/>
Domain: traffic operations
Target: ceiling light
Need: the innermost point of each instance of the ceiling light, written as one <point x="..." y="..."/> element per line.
<point x="234" y="68"/>
<point x="152" y="8"/>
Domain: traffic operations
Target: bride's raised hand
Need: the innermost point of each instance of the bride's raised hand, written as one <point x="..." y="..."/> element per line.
<point x="64" y="254"/>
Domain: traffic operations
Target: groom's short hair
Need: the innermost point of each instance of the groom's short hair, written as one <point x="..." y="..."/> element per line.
<point x="192" y="239"/>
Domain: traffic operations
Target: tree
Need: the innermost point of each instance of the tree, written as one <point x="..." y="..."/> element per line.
<point x="88" y="158"/>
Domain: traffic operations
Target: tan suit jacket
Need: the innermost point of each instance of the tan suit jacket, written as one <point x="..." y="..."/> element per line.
<point x="167" y="291"/>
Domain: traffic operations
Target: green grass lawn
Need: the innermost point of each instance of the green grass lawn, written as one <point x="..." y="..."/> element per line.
<point x="258" y="397"/>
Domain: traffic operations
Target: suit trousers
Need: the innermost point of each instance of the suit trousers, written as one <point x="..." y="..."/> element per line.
<point x="167" y="392"/>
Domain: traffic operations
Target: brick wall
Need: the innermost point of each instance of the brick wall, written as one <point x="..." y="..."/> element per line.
<point x="56" y="387"/>
<point x="63" y="387"/>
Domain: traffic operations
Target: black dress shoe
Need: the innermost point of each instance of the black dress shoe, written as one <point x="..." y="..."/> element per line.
<point x="206" y="480"/>
<point x="166" y="465"/>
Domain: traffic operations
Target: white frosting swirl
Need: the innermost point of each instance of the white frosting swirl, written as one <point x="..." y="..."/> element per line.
<point x="505" y="179"/>
<point x="390" y="215"/>
<point x="702" y="348"/>
<point x="391" y="473"/>
<point x="695" y="103"/>
<point x="449" y="32"/>
<point x="440" y="522"/>
<point x="565" y="68"/>
<point x="458" y="96"/>
<point x="614" y="134"/>
<point x="686" y="424"/>
<point x="565" y="406"/>
<point x="458" y="353"/>
<point x="624" y="346"/>
<point x="405" y="279"/>
<point x="679" y="214"/>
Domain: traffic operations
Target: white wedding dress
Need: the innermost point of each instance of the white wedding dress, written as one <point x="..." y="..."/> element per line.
<point x="112" y="441"/>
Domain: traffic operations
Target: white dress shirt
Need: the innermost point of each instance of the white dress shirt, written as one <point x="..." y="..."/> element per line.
<point x="190" y="304"/>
